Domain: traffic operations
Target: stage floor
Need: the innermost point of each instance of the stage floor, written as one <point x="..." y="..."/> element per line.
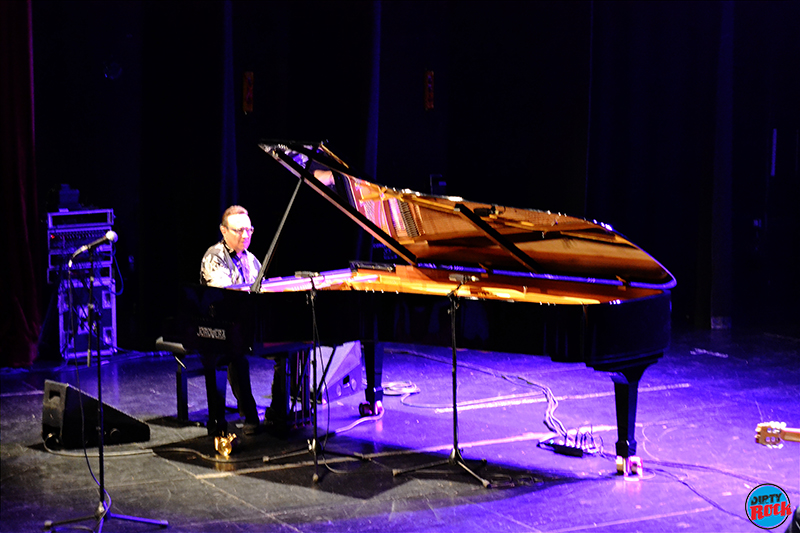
<point x="697" y="414"/>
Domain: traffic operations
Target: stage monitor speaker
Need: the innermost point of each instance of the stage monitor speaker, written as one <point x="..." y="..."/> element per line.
<point x="61" y="419"/>
<point x="346" y="371"/>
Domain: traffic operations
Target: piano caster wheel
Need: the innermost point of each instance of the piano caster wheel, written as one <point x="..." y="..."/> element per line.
<point x="368" y="409"/>
<point x="630" y="466"/>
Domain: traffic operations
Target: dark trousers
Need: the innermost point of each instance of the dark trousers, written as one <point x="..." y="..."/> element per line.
<point x="239" y="378"/>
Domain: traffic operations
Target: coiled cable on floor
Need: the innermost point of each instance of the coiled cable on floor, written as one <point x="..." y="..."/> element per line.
<point x="404" y="389"/>
<point x="550" y="421"/>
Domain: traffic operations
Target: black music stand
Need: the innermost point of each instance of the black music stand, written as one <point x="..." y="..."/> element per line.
<point x="101" y="512"/>
<point x="455" y="458"/>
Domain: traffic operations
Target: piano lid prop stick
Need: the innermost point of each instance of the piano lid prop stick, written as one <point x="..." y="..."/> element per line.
<point x="256" y="286"/>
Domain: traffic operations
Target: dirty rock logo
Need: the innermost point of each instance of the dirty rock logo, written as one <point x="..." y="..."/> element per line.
<point x="768" y="506"/>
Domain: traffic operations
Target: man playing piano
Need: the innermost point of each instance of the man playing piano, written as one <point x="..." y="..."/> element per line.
<point x="228" y="263"/>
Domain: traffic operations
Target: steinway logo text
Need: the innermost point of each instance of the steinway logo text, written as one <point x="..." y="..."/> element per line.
<point x="211" y="333"/>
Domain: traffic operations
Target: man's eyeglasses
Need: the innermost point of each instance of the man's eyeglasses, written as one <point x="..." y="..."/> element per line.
<point x="240" y="231"/>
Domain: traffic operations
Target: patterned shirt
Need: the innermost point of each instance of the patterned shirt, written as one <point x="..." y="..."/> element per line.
<point x="222" y="267"/>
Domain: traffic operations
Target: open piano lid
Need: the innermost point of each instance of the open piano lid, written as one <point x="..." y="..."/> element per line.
<point x="452" y="233"/>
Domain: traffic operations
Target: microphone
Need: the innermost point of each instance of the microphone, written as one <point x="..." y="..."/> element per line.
<point x="306" y="274"/>
<point x="110" y="236"/>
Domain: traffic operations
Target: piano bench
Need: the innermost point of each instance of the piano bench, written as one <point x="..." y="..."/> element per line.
<point x="182" y="375"/>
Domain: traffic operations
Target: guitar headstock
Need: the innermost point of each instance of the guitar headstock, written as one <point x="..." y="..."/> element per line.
<point x="770" y="434"/>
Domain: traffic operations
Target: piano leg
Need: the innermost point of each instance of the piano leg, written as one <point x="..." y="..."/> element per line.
<point x="279" y="411"/>
<point x="373" y="362"/>
<point x="626" y="391"/>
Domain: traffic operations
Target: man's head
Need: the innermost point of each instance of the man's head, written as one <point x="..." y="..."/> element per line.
<point x="236" y="228"/>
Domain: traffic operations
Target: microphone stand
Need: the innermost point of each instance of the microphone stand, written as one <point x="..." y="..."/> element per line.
<point x="102" y="512"/>
<point x="313" y="447"/>
<point x="455" y="458"/>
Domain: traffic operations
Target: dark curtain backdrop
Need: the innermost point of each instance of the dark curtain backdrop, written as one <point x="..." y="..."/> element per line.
<point x="21" y="272"/>
<point x="656" y="117"/>
<point x="651" y="161"/>
<point x="766" y="163"/>
<point x="517" y="90"/>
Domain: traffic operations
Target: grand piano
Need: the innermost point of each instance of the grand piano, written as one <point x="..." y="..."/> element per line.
<point x="526" y="281"/>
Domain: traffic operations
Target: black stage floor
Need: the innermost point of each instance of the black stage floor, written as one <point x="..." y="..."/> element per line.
<point x="698" y="409"/>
